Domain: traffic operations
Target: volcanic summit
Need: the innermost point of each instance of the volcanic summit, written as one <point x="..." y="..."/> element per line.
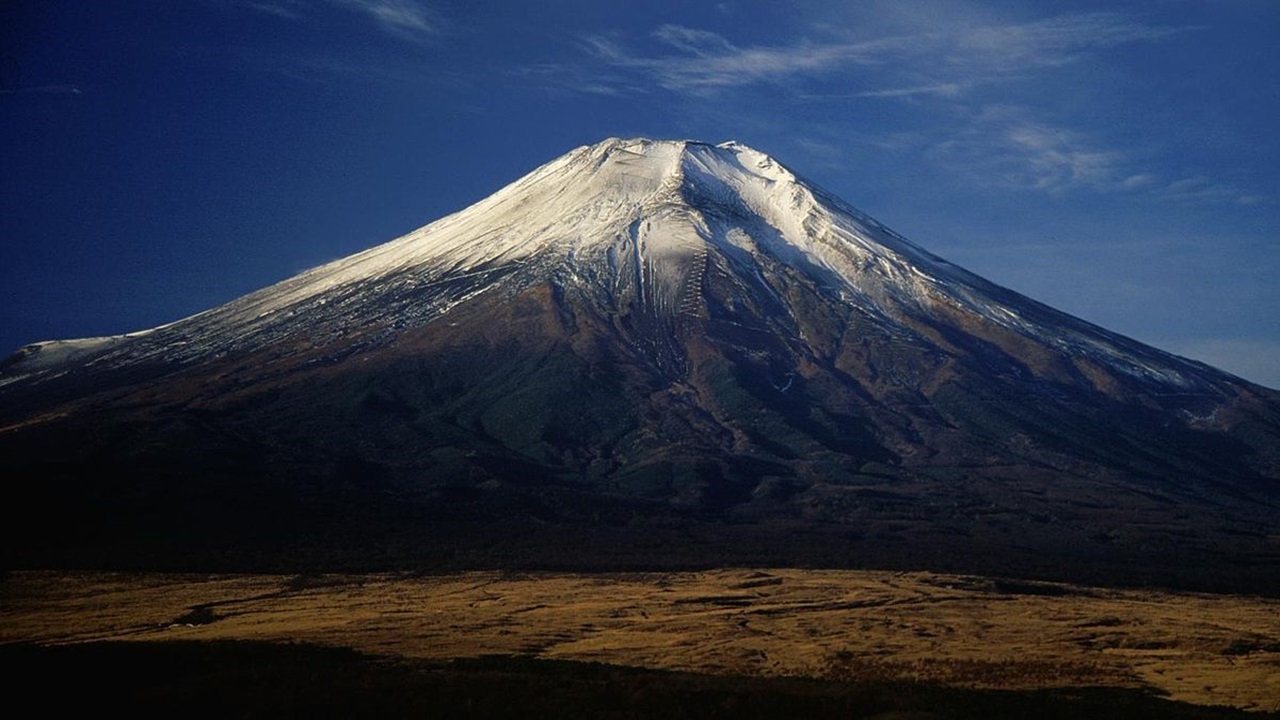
<point x="641" y="354"/>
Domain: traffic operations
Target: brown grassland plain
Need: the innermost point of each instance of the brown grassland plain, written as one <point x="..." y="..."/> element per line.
<point x="857" y="626"/>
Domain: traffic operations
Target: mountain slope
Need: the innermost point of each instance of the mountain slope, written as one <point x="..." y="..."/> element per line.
<point x="641" y="339"/>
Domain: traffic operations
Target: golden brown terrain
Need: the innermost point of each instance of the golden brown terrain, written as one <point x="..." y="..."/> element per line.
<point x="962" y="631"/>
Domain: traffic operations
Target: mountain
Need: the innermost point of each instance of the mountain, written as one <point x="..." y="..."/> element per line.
<point x="642" y="354"/>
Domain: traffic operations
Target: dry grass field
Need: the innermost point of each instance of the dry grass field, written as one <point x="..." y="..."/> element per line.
<point x="857" y="626"/>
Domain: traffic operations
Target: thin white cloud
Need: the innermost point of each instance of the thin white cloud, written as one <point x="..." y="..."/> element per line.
<point x="819" y="147"/>
<point x="940" y="62"/>
<point x="1058" y="159"/>
<point x="562" y="78"/>
<point x="1200" y="189"/>
<point x="43" y="90"/>
<point x="946" y="90"/>
<point x="705" y="61"/>
<point x="820" y="151"/>
<point x="1052" y="42"/>
<point x="1004" y="147"/>
<point x="1139" y="181"/>
<point x="405" y="19"/>
<point x="701" y="43"/>
<point x="943" y="62"/>
<point x="289" y="9"/>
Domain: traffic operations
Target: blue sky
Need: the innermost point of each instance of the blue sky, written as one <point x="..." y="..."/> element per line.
<point x="1117" y="160"/>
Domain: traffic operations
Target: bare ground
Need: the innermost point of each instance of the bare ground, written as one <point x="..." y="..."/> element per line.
<point x="960" y="631"/>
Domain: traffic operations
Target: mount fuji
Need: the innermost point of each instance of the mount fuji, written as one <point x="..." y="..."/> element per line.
<point x="643" y="354"/>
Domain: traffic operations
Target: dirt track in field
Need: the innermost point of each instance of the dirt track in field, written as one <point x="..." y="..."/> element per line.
<point x="856" y="625"/>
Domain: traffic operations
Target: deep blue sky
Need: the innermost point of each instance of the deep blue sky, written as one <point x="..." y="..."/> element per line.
<point x="1118" y="160"/>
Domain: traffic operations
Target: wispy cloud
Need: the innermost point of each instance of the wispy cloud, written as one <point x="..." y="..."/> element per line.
<point x="321" y="61"/>
<point x="1052" y="42"/>
<point x="561" y="78"/>
<point x="43" y="90"/>
<point x="978" y="78"/>
<point x="1200" y="189"/>
<point x="946" y="63"/>
<point x="1139" y="181"/>
<point x="290" y="9"/>
<point x="1004" y="147"/>
<point x="705" y="61"/>
<point x="946" y="89"/>
<point x="406" y="19"/>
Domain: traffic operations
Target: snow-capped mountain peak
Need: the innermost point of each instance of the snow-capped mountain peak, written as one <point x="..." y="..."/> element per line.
<point x="651" y="336"/>
<point x="637" y="224"/>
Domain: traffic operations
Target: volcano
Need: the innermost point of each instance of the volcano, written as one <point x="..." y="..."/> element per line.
<point x="644" y="354"/>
